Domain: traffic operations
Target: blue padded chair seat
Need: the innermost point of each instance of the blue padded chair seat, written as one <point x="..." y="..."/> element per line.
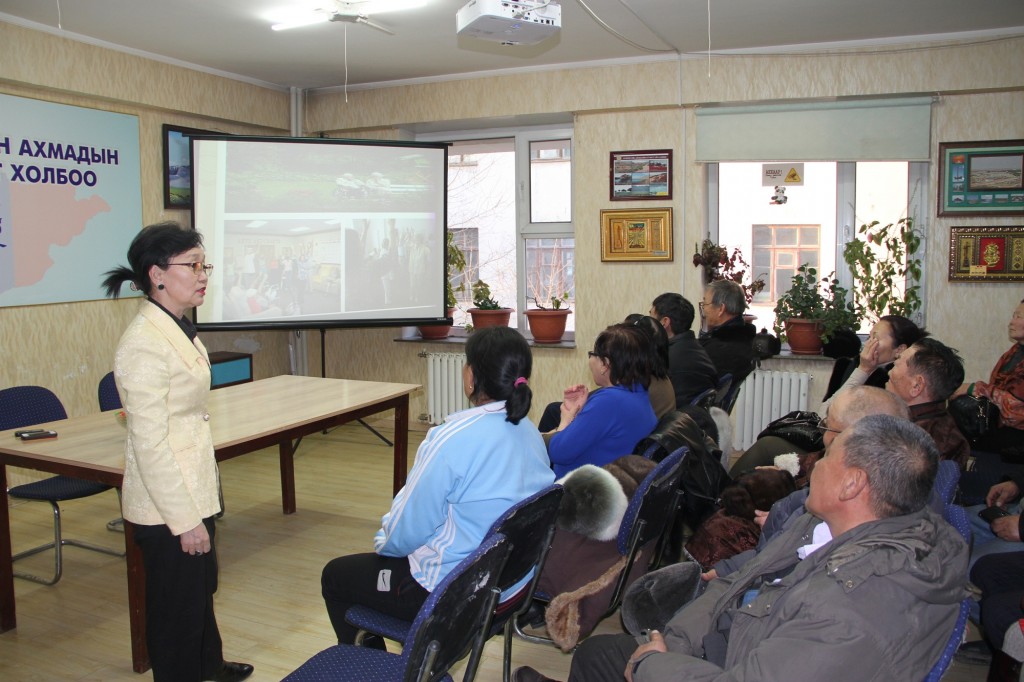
<point x="378" y="623"/>
<point x="57" y="489"/>
<point x="343" y="662"/>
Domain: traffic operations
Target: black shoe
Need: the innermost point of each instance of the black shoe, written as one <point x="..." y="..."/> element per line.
<point x="232" y="672"/>
<point x="528" y="674"/>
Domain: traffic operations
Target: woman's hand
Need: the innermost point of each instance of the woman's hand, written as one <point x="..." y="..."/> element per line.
<point x="657" y="643"/>
<point x="573" y="400"/>
<point x="869" y="359"/>
<point x="196" y="541"/>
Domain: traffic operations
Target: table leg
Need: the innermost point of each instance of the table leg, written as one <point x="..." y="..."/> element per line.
<point x="8" y="620"/>
<point x="287" y="456"/>
<point x="136" y="599"/>
<point x="401" y="444"/>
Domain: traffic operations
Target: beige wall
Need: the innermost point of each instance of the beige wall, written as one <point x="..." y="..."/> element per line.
<point x="65" y="347"/>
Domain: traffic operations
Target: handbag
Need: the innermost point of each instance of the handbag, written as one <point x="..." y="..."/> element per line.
<point x="798" y="427"/>
<point x="974" y="415"/>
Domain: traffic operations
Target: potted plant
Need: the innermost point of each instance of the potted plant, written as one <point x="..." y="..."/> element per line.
<point x="812" y="311"/>
<point x="718" y="263"/>
<point x="885" y="271"/>
<point x="487" y="311"/>
<point x="548" y="324"/>
<point x="455" y="263"/>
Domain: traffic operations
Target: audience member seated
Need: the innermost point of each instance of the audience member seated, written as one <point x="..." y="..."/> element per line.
<point x="1004" y="533"/>
<point x="468" y="471"/>
<point x="1000" y="577"/>
<point x="599" y="427"/>
<point x="689" y="366"/>
<point x="889" y="337"/>
<point x="729" y="341"/>
<point x="924" y="376"/>
<point x="1005" y="388"/>
<point x="874" y="595"/>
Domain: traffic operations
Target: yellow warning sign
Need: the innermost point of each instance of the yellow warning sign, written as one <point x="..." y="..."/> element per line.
<point x="793" y="176"/>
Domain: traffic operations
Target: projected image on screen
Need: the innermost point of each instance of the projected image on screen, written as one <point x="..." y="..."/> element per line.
<point x="316" y="233"/>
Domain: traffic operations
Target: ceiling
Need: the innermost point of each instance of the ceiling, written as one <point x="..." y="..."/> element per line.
<point x="233" y="37"/>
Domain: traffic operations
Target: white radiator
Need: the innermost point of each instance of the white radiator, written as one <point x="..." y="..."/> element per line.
<point x="765" y="396"/>
<point x="444" y="385"/>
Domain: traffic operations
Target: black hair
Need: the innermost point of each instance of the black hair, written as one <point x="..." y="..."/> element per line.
<point x="904" y="331"/>
<point x="657" y="339"/>
<point x="678" y="310"/>
<point x="153" y="245"/>
<point x="498" y="358"/>
<point x="626" y="349"/>
<point x="939" y="364"/>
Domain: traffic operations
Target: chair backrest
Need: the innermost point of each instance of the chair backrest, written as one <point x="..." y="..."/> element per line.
<point x="728" y="401"/>
<point x="724" y="383"/>
<point x="649" y="507"/>
<point x="528" y="525"/>
<point x="946" y="479"/>
<point x="457" y="614"/>
<point x="705" y="399"/>
<point x="27" y="406"/>
<point x="109" y="398"/>
<point x="957" y="517"/>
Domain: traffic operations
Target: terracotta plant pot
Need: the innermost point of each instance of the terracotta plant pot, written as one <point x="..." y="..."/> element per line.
<point x="547" y="326"/>
<point x="435" y="332"/>
<point x="490" y="318"/>
<point x="804" y="336"/>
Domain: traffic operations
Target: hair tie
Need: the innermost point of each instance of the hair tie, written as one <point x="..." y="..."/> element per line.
<point x="520" y="380"/>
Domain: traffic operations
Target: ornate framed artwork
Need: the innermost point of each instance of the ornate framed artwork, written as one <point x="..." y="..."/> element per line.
<point x="178" y="165"/>
<point x="981" y="178"/>
<point x="640" y="175"/>
<point x="986" y="254"/>
<point x="641" y="235"/>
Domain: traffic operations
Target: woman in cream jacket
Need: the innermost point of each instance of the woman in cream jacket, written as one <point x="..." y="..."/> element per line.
<point x="170" y="491"/>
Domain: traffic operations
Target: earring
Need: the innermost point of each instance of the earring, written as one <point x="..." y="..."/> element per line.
<point x="160" y="287"/>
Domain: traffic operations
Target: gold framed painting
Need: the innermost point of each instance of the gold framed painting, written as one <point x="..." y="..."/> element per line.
<point x="636" y="234"/>
<point x="986" y="254"/>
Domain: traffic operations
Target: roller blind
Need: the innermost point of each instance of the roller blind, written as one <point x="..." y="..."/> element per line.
<point x="851" y="130"/>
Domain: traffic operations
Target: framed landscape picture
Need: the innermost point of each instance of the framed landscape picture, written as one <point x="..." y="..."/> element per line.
<point x="981" y="178"/>
<point x="178" y="165"/>
<point x="641" y="175"/>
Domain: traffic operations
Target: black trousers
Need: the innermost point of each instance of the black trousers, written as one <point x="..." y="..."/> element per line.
<point x="382" y="583"/>
<point x="602" y="658"/>
<point x="181" y="629"/>
<point x="1001" y="580"/>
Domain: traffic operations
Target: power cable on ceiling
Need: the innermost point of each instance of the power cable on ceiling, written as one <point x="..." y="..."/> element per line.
<point x="618" y="35"/>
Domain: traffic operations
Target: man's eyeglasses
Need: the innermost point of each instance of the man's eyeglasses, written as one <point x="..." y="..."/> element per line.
<point x="197" y="266"/>
<point x="824" y="427"/>
<point x="594" y="354"/>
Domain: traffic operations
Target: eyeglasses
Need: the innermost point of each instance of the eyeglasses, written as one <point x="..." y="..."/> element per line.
<point x="197" y="266"/>
<point x="824" y="427"/>
<point x="593" y="354"/>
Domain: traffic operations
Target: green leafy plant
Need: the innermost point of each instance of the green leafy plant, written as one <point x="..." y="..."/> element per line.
<point x="556" y="302"/>
<point x="718" y="263"/>
<point x="884" y="269"/>
<point x="482" y="296"/>
<point x="456" y="263"/>
<point x="823" y="301"/>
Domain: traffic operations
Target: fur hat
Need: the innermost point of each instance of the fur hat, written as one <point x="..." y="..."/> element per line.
<point x="653" y="599"/>
<point x="593" y="503"/>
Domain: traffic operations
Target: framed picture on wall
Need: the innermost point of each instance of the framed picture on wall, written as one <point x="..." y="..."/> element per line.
<point x="641" y="175"/>
<point x="986" y="254"/>
<point x="178" y="165"/>
<point x="981" y="178"/>
<point x="636" y="235"/>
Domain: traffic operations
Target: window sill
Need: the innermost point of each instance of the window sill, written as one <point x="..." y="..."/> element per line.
<point x="458" y="337"/>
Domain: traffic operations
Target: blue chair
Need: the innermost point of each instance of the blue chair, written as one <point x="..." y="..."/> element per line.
<point x="650" y="512"/>
<point x="454" y="619"/>
<point x="22" y="406"/>
<point x="529" y="526"/>
<point x="727" y="401"/>
<point x="108" y="396"/>
<point x="946" y="480"/>
<point x="724" y="383"/>
<point x="957" y="517"/>
<point x="705" y="399"/>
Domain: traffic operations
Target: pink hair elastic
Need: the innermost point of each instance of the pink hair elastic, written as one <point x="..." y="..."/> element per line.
<point x="520" y="380"/>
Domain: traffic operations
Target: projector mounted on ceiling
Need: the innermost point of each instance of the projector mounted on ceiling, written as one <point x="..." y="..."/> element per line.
<point x="512" y="23"/>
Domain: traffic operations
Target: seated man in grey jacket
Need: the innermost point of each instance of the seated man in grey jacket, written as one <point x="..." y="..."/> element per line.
<point x="873" y="594"/>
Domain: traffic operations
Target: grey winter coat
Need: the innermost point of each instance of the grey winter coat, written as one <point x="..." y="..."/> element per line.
<point x="877" y="603"/>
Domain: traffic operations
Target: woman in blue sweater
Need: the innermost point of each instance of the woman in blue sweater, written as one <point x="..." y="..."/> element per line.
<point x="468" y="472"/>
<point x="606" y="424"/>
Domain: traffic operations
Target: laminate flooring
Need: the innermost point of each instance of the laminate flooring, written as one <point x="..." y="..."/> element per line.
<point x="269" y="606"/>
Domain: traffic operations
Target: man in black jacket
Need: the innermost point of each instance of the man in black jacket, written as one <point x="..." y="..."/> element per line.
<point x="689" y="366"/>
<point x="729" y="340"/>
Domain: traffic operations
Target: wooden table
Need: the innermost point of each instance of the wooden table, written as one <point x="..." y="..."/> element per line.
<point x="243" y="418"/>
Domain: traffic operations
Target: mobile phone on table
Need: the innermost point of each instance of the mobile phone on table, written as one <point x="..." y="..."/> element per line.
<point x="22" y="432"/>
<point x="990" y="514"/>
<point x="38" y="435"/>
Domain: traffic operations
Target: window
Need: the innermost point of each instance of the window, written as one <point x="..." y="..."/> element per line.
<point x="814" y="223"/>
<point x="520" y="242"/>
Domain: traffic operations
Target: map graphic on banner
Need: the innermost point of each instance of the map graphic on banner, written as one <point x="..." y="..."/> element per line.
<point x="70" y="199"/>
